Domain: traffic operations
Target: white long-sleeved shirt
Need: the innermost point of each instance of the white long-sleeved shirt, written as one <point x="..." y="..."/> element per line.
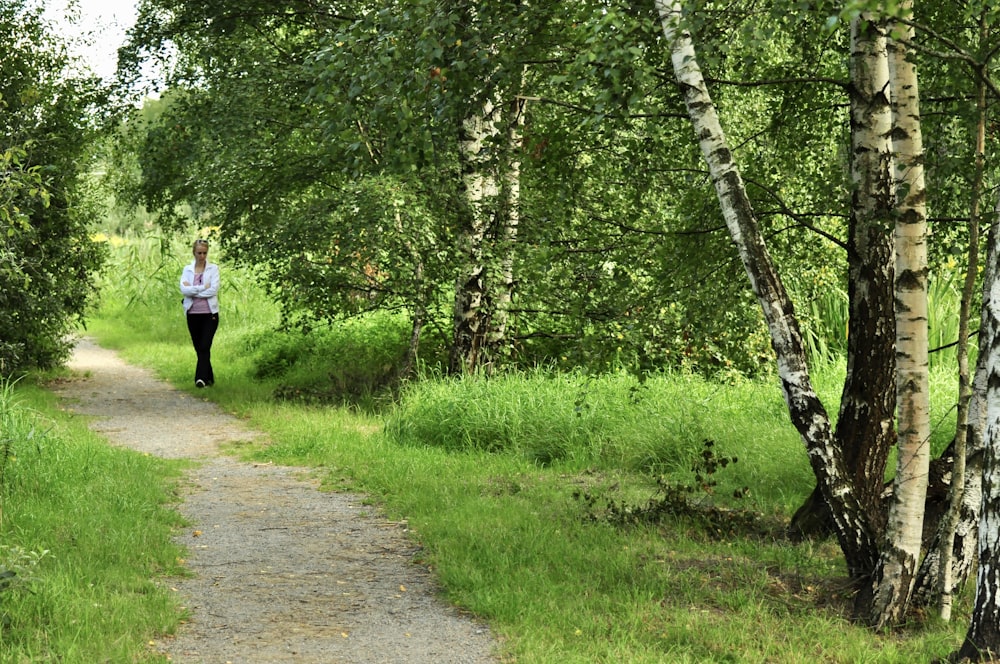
<point x="209" y="288"/>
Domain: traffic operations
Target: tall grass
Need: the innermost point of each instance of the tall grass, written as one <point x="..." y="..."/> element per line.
<point x="488" y="472"/>
<point x="826" y="328"/>
<point x="86" y="539"/>
<point x="142" y="283"/>
<point x="944" y="301"/>
<point x="612" y="422"/>
<point x="140" y="310"/>
<point x="827" y="343"/>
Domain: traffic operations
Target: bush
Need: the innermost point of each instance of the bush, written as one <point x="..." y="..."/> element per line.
<point x="47" y="260"/>
<point x="353" y="361"/>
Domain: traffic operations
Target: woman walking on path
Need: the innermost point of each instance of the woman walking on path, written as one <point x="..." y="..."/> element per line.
<point x="200" y="288"/>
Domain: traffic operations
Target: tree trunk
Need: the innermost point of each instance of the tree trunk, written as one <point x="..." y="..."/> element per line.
<point x="950" y="522"/>
<point x="900" y="554"/>
<point x="951" y="554"/>
<point x="982" y="640"/>
<point x="806" y="411"/>
<point x="489" y="152"/>
<point x="865" y="430"/>
<point x="509" y="218"/>
<point x="482" y="190"/>
<point x="961" y="538"/>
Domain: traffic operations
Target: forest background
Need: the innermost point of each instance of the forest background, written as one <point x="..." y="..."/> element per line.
<point x="504" y="188"/>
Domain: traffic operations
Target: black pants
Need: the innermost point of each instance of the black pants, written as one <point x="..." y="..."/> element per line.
<point x="202" y="328"/>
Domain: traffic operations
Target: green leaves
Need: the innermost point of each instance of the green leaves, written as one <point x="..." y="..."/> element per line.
<point x="47" y="125"/>
<point x="296" y="127"/>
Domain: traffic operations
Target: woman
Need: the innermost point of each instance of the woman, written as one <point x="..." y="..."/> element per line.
<point x="200" y="288"/>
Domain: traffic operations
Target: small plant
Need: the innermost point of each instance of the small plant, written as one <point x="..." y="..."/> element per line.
<point x="681" y="500"/>
<point x="17" y="566"/>
<point x="17" y="572"/>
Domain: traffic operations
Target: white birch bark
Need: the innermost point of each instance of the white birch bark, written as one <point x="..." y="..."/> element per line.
<point x="901" y="551"/>
<point x="489" y="154"/>
<point x="973" y="498"/>
<point x="951" y="555"/>
<point x="510" y="217"/>
<point x="491" y="176"/>
<point x="482" y="189"/>
<point x="965" y="495"/>
<point x="982" y="640"/>
<point x="953" y="514"/>
<point x="806" y="410"/>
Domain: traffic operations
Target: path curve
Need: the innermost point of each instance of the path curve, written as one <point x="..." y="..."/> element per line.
<point x="282" y="572"/>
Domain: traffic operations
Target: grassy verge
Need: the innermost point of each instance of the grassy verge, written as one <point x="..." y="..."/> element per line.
<point x="85" y="539"/>
<point x="513" y="485"/>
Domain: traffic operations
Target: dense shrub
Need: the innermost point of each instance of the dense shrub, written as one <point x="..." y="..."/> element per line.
<point x="47" y="260"/>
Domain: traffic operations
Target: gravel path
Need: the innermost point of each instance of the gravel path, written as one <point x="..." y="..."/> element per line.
<point x="282" y="572"/>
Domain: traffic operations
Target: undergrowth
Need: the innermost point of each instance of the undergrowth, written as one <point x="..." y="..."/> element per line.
<point x="689" y="499"/>
<point x="354" y="362"/>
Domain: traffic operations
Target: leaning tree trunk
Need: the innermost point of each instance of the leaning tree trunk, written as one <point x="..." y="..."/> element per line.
<point x="806" y="411"/>
<point x="900" y="553"/>
<point x="982" y="640"/>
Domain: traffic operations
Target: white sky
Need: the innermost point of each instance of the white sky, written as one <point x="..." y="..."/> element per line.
<point x="102" y="26"/>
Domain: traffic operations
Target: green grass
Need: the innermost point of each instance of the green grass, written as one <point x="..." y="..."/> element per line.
<point x="829" y="315"/>
<point x="612" y="423"/>
<point x="488" y="473"/>
<point x="86" y="529"/>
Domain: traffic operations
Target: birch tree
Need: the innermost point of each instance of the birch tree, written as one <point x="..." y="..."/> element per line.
<point x="482" y="190"/>
<point x="806" y="411"/>
<point x="901" y="549"/>
<point x="982" y="640"/>
<point x="489" y="161"/>
<point x="488" y="147"/>
<point x="949" y="554"/>
<point x="873" y="208"/>
<point x="510" y="214"/>
<point x="865" y="431"/>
